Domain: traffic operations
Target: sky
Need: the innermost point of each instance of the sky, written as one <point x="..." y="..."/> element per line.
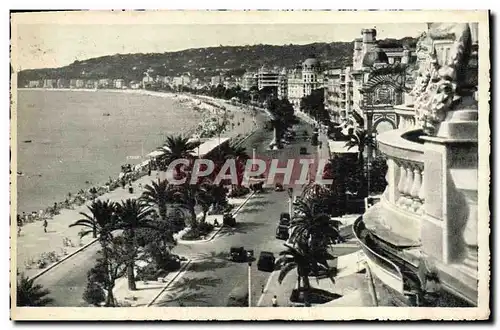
<point x="56" y="45"/>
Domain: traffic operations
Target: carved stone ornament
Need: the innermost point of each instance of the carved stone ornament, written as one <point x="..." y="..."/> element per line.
<point x="440" y="85"/>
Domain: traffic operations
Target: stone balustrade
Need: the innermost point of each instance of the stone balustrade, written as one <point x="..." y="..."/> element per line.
<point x="405" y="174"/>
<point x="406" y="116"/>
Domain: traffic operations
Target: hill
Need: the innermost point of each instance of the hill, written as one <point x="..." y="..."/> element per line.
<point x="201" y="62"/>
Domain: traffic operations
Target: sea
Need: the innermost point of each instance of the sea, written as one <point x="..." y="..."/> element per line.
<point x="72" y="140"/>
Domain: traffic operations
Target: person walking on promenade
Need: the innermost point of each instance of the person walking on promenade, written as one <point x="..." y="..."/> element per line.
<point x="149" y="170"/>
<point x="275" y="301"/>
<point x="19" y="225"/>
<point x="45" y="224"/>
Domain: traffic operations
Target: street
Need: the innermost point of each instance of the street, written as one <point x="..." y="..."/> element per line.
<point x="211" y="277"/>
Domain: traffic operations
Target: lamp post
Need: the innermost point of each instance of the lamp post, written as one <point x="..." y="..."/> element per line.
<point x="249" y="258"/>
<point x="290" y="201"/>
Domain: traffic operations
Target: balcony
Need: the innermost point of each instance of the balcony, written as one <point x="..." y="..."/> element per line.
<point x="406" y="116"/>
<point x="427" y="199"/>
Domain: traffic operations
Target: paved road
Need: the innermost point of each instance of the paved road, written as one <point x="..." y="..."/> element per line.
<point x="210" y="280"/>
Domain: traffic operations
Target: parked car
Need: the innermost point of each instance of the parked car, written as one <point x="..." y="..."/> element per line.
<point x="238" y="254"/>
<point x="278" y="187"/>
<point x="266" y="261"/>
<point x="282" y="232"/>
<point x="228" y="220"/>
<point x="285" y="219"/>
<point x="303" y="151"/>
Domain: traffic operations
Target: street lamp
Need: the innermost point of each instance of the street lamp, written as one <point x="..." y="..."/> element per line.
<point x="249" y="258"/>
<point x="290" y="201"/>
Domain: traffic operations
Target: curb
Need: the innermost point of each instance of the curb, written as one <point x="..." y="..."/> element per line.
<point x="234" y="213"/>
<point x="64" y="259"/>
<point x="371" y="287"/>
<point x="180" y="271"/>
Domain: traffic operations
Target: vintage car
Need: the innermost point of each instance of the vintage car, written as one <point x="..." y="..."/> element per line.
<point x="282" y="232"/>
<point x="278" y="187"/>
<point x="238" y="254"/>
<point x="266" y="261"/>
<point x="285" y="219"/>
<point x="303" y="150"/>
<point x="228" y="220"/>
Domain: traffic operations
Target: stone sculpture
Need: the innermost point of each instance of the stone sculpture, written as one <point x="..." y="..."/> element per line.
<point x="443" y="82"/>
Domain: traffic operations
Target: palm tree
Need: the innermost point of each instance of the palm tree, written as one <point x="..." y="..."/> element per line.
<point x="312" y="225"/>
<point x="156" y="194"/>
<point x="359" y="138"/>
<point x="177" y="147"/>
<point x="31" y="294"/>
<point x="133" y="214"/>
<point x="100" y="222"/>
<point x="307" y="262"/>
<point x="204" y="198"/>
<point x="233" y="151"/>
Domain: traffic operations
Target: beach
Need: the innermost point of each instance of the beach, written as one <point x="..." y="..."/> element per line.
<point x="70" y="140"/>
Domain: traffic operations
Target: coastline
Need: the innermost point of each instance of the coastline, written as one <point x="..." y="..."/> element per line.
<point x="206" y="105"/>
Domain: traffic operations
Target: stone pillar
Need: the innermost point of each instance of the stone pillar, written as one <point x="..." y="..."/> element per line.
<point x="450" y="194"/>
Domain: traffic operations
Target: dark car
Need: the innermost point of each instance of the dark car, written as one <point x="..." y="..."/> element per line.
<point x="278" y="187"/>
<point x="266" y="261"/>
<point x="303" y="151"/>
<point x="285" y="218"/>
<point x="282" y="232"/>
<point x="238" y="254"/>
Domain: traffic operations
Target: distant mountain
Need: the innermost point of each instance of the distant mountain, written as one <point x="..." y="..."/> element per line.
<point x="203" y="62"/>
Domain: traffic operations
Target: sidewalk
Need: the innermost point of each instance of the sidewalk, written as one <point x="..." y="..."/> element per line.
<point x="346" y="282"/>
<point x="147" y="292"/>
<point x="33" y="241"/>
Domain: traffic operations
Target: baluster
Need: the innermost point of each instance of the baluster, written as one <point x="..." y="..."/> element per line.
<point x="401" y="183"/>
<point x="421" y="194"/>
<point x="408" y="186"/>
<point x="415" y="189"/>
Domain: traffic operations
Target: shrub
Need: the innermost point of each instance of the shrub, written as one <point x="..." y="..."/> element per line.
<point x="205" y="228"/>
<point x="149" y="273"/>
<point x="239" y="191"/>
<point x="192" y="235"/>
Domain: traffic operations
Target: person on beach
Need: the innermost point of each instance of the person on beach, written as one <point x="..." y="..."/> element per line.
<point x="275" y="301"/>
<point x="45" y="224"/>
<point x="149" y="170"/>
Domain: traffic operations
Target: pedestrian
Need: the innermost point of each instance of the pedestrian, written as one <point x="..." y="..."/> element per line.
<point x="19" y="225"/>
<point x="45" y="224"/>
<point x="275" y="301"/>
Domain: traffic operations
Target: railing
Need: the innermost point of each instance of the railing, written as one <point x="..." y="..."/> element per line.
<point x="406" y="116"/>
<point x="405" y="174"/>
<point x="386" y="270"/>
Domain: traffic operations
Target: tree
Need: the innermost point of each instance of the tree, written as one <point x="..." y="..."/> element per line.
<point x="307" y="262"/>
<point x="377" y="176"/>
<point x="31" y="294"/>
<point x="107" y="270"/>
<point x="364" y="141"/>
<point x="156" y="194"/>
<point x="177" y="147"/>
<point x="312" y="225"/>
<point x="98" y="223"/>
<point x="314" y="105"/>
<point x="133" y="214"/>
<point x="204" y="199"/>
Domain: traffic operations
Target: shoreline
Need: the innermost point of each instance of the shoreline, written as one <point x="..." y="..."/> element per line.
<point x="207" y="106"/>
